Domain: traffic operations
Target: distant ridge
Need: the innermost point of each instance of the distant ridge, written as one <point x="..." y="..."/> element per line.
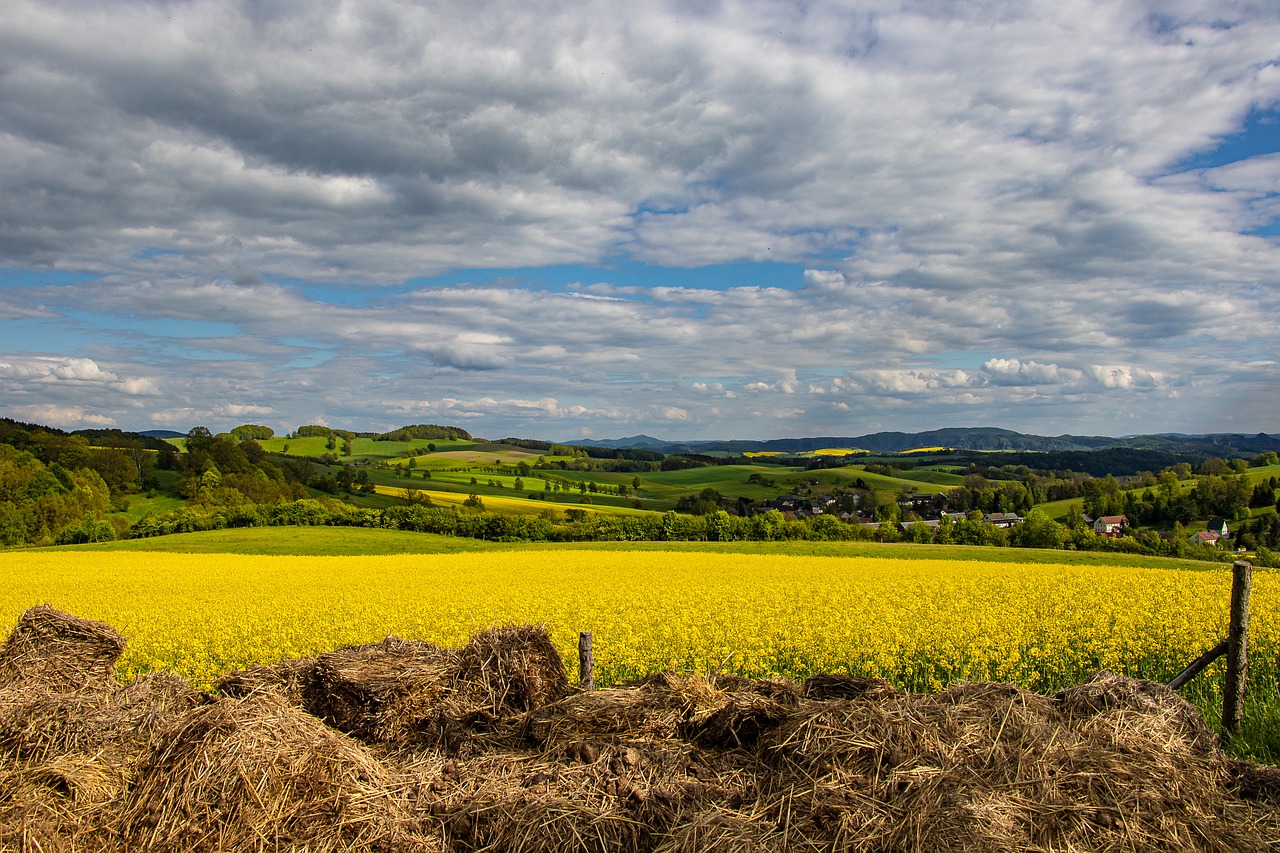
<point x="962" y="438"/>
<point x="162" y="433"/>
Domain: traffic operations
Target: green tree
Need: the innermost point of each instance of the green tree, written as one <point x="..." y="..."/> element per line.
<point x="919" y="532"/>
<point x="256" y="432"/>
<point x="1037" y="530"/>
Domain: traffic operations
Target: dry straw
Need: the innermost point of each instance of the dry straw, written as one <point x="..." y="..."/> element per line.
<point x="404" y="746"/>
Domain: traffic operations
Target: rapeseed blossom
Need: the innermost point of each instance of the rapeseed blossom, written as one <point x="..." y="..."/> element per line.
<point x="921" y="624"/>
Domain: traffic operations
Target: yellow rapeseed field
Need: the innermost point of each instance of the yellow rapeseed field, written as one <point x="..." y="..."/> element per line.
<point x="920" y="623"/>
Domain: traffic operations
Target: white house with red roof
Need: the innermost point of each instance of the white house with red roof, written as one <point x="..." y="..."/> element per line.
<point x="1205" y="537"/>
<point x="1110" y="525"/>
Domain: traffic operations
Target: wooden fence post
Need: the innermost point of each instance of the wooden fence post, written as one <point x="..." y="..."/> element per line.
<point x="1199" y="664"/>
<point x="586" y="662"/>
<point x="1237" y="648"/>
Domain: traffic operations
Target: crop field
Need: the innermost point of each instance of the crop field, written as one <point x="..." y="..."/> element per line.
<point x="921" y="624"/>
<point x="513" y="505"/>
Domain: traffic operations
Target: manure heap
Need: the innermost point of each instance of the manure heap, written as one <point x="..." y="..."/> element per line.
<point x="406" y="746"/>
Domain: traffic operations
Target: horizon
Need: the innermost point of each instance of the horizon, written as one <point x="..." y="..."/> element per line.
<point x="677" y="441"/>
<point x="598" y="219"/>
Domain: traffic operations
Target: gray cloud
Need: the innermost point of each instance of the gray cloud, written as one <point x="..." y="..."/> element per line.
<point x="987" y="198"/>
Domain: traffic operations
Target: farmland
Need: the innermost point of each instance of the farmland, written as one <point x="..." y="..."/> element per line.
<point x="922" y="623"/>
<point x="61" y="489"/>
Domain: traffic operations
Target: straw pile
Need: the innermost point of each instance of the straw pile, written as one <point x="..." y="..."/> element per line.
<point x="288" y="679"/>
<point x="406" y="746"/>
<point x="257" y="773"/>
<point x="376" y="691"/>
<point x="60" y="653"/>
<point x="69" y="732"/>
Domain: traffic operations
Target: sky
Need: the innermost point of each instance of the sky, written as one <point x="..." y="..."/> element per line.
<point x="743" y="219"/>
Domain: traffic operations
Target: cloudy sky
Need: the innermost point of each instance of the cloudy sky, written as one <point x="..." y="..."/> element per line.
<point x="697" y="219"/>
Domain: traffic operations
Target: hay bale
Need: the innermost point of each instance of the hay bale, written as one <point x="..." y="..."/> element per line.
<point x="610" y="715"/>
<point x="526" y="801"/>
<point x="835" y="686"/>
<point x="37" y="725"/>
<point x="739" y="722"/>
<point x="715" y="711"/>
<point x="782" y="690"/>
<point x="381" y="691"/>
<point x="40" y="726"/>
<point x="288" y="678"/>
<point x="991" y="767"/>
<point x="500" y="676"/>
<point x="57" y="805"/>
<point x="510" y="670"/>
<point x="1106" y="693"/>
<point x="60" y="652"/>
<point x="259" y="774"/>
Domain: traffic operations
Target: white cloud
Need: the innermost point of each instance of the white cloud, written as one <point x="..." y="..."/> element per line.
<point x="1002" y="371"/>
<point x="69" y="417"/>
<point x="1124" y="376"/>
<point x="991" y="203"/>
<point x="236" y="410"/>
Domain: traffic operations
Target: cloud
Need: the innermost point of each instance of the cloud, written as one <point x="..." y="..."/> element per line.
<point x="236" y="410"/>
<point x="1124" y="376"/>
<point x="1002" y="371"/>
<point x="993" y="206"/>
<point x="69" y="417"/>
<point x="37" y="371"/>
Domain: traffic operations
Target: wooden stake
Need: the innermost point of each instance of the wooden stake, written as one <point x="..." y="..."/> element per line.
<point x="1237" y="648"/>
<point x="586" y="663"/>
<point x="1199" y="664"/>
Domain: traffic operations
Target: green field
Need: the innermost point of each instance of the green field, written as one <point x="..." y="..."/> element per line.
<point x="351" y="541"/>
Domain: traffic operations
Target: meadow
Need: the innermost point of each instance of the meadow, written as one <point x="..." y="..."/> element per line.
<point x="922" y="623"/>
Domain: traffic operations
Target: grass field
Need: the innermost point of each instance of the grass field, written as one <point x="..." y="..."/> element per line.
<point x="344" y="541"/>
<point x="513" y="504"/>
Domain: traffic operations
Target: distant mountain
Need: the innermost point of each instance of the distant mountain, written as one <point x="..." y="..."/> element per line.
<point x="965" y="438"/>
<point x="645" y="442"/>
<point x="162" y="433"/>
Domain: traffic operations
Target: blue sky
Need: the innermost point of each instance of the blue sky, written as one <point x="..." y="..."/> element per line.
<point x="740" y="219"/>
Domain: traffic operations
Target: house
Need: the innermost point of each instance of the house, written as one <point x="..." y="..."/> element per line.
<point x="1002" y="519"/>
<point x="1110" y="525"/>
<point x="1205" y="537"/>
<point x="1220" y="527"/>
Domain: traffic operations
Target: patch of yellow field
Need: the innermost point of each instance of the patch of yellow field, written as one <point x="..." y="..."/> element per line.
<point x="919" y="623"/>
<point x="509" y="506"/>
